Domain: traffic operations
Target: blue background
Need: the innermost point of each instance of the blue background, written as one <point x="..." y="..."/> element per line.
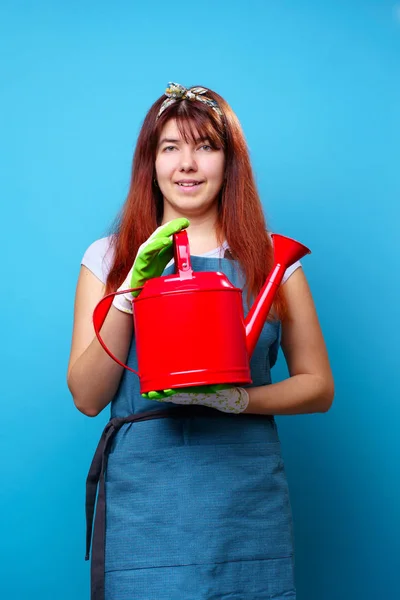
<point x="316" y="86"/>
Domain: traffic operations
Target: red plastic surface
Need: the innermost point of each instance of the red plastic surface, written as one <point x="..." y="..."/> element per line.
<point x="189" y="327"/>
<point x="190" y="332"/>
<point x="286" y="252"/>
<point x="99" y="315"/>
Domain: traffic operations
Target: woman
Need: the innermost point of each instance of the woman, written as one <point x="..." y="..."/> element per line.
<point x="196" y="503"/>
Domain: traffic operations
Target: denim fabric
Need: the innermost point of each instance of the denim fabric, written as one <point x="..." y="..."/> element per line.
<point x="198" y="509"/>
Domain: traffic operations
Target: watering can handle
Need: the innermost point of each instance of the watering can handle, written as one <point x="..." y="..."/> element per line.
<point x="99" y="315"/>
<point x="182" y="255"/>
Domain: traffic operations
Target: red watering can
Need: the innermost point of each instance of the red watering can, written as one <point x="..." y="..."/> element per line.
<point x="215" y="342"/>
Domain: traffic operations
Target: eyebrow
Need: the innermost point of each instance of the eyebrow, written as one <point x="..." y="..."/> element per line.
<point x="174" y="141"/>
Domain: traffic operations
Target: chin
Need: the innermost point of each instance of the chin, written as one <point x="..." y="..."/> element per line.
<point x="190" y="205"/>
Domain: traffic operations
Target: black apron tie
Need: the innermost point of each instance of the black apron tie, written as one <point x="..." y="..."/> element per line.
<point x="96" y="482"/>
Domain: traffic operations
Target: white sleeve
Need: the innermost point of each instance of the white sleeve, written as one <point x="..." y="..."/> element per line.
<point x="98" y="258"/>
<point x="290" y="270"/>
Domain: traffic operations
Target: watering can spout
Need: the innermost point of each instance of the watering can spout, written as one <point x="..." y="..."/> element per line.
<point x="286" y="252"/>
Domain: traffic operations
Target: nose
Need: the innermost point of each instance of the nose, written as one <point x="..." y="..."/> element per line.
<point x="187" y="160"/>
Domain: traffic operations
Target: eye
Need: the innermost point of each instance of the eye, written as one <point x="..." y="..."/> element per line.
<point x="169" y="148"/>
<point x="206" y="147"/>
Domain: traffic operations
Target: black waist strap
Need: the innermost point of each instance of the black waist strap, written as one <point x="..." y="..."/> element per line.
<point x="95" y="480"/>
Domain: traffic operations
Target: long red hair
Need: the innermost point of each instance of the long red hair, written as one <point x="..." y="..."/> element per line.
<point x="241" y="219"/>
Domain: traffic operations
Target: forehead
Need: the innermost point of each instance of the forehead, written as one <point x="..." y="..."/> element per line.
<point x="172" y="130"/>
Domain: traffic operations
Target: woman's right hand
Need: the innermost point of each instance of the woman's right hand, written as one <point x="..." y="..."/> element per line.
<point x="152" y="258"/>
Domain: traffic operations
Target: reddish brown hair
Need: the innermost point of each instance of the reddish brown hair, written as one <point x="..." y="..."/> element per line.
<point x="240" y="215"/>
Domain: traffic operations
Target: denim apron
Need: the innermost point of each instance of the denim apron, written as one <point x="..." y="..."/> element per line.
<point x="192" y="503"/>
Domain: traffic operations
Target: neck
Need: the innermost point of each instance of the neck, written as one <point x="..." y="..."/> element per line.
<point x="202" y="231"/>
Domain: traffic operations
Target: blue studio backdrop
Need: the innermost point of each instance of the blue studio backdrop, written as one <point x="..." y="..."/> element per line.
<point x="317" y="89"/>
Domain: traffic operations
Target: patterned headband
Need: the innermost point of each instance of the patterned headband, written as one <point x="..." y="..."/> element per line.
<point x="175" y="92"/>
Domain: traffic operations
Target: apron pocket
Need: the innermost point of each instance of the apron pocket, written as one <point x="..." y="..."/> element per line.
<point x="197" y="504"/>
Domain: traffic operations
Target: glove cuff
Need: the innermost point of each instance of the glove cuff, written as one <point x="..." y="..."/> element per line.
<point x="122" y="303"/>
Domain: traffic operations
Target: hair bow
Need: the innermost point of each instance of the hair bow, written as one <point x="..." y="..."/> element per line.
<point x="176" y="91"/>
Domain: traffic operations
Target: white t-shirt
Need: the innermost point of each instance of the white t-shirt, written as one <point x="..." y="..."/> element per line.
<point x="98" y="258"/>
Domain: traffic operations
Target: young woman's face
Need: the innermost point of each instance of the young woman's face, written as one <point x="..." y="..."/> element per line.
<point x="189" y="174"/>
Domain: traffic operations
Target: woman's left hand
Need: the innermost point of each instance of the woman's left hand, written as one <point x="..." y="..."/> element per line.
<point x="226" y="398"/>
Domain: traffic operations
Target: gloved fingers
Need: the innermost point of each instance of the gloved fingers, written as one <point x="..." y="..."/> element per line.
<point x="160" y="250"/>
<point x="154" y="247"/>
<point x="153" y="396"/>
<point x="199" y="389"/>
<point x="170" y="228"/>
<point x="154" y="255"/>
<point x="144" y="266"/>
<point x="165" y="255"/>
<point x="160" y="395"/>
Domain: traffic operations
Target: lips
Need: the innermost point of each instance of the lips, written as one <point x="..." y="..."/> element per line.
<point x="188" y="182"/>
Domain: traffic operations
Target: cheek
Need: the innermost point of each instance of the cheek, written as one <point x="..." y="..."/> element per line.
<point x="162" y="168"/>
<point x="216" y="170"/>
<point x="165" y="166"/>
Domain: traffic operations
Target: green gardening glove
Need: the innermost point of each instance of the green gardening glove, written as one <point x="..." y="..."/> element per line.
<point x="225" y="398"/>
<point x="151" y="259"/>
<point x="154" y="255"/>
<point x="197" y="389"/>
